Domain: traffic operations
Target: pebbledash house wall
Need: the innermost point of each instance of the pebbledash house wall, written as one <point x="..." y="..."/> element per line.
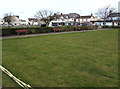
<point x="15" y="21"/>
<point x="1" y="21"/>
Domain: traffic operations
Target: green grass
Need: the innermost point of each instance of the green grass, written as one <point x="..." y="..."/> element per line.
<point x="86" y="59"/>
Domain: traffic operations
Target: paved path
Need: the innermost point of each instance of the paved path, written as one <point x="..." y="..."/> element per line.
<point x="29" y="35"/>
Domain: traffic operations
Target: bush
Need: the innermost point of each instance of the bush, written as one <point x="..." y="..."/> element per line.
<point x="33" y="30"/>
<point x="86" y="28"/>
<point x="77" y="28"/>
<point x="115" y="27"/>
<point x="83" y="28"/>
<point x="111" y="27"/>
<point x="7" y="31"/>
<point x="38" y="30"/>
<point x="92" y="27"/>
<point x="106" y="26"/>
<point x="67" y="28"/>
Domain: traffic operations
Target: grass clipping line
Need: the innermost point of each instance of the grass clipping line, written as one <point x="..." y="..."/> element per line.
<point x="22" y="84"/>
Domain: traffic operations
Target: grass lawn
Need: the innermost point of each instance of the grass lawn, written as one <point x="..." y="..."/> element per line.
<point x="85" y="59"/>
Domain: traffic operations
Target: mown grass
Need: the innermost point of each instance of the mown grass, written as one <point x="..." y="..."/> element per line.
<point x="86" y="59"/>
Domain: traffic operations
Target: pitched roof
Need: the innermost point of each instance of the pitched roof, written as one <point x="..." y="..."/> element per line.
<point x="114" y="15"/>
<point x="88" y="16"/>
<point x="73" y="15"/>
<point x="70" y="15"/>
<point x="32" y="19"/>
<point x="23" y="20"/>
<point x="12" y="16"/>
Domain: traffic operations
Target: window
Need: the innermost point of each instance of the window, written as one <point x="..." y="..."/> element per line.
<point x="54" y="24"/>
<point x="84" y="19"/>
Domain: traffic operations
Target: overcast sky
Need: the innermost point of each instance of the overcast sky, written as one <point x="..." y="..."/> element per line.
<point x="28" y="8"/>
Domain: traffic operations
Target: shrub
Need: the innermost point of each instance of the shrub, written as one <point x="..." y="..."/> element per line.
<point x="78" y="28"/>
<point x="92" y="27"/>
<point x="83" y="28"/>
<point x="8" y="31"/>
<point x="106" y="26"/>
<point x="33" y="30"/>
<point x="68" y="28"/>
<point x="41" y="30"/>
<point x="115" y="27"/>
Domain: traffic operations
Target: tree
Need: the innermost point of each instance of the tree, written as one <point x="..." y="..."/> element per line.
<point x="44" y="15"/>
<point x="104" y="12"/>
<point x="8" y="18"/>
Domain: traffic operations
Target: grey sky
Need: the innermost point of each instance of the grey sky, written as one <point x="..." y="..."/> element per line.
<point x="27" y="8"/>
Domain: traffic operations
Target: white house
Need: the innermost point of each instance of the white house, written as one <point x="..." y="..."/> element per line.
<point x="23" y="22"/>
<point x="1" y="21"/>
<point x="113" y="19"/>
<point x="64" y="19"/>
<point x="15" y="21"/>
<point x="32" y="21"/>
<point x="87" y="19"/>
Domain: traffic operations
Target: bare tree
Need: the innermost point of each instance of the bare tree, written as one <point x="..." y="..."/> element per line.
<point x="104" y="12"/>
<point x="44" y="15"/>
<point x="8" y="18"/>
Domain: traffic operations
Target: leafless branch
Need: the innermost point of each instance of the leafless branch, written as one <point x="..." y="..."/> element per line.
<point x="44" y="15"/>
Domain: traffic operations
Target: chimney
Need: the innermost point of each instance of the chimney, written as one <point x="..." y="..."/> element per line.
<point x="91" y="14"/>
<point x="54" y="13"/>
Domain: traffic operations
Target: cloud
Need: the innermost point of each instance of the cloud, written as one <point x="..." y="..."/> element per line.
<point x="29" y="7"/>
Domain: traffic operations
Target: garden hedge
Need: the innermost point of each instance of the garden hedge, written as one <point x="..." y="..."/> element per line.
<point x="111" y="27"/>
<point x="7" y="31"/>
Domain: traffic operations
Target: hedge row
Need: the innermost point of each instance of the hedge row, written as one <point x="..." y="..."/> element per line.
<point x="76" y="28"/>
<point x="32" y="30"/>
<point x="37" y="30"/>
<point x="111" y="26"/>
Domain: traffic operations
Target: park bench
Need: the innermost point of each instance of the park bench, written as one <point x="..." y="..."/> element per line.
<point x="56" y="29"/>
<point x="22" y="31"/>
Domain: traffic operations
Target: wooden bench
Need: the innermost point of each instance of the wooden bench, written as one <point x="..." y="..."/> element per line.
<point x="56" y="29"/>
<point x="22" y="31"/>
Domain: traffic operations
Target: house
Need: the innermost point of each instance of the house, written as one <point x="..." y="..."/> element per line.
<point x="72" y="19"/>
<point x="64" y="19"/>
<point x="87" y="19"/>
<point x="32" y="21"/>
<point x="1" y="22"/>
<point x="113" y="19"/>
<point x="23" y="22"/>
<point x="15" y="21"/>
